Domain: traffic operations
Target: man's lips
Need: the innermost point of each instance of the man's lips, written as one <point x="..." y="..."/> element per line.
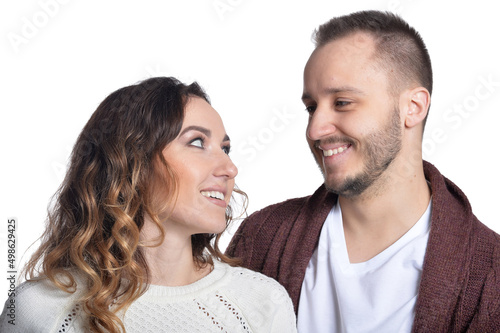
<point x="332" y="146"/>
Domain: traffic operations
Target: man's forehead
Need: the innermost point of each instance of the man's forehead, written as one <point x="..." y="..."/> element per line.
<point x="359" y="44"/>
<point x="358" y="39"/>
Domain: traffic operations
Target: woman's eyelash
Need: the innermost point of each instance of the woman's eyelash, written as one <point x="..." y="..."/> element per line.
<point x="310" y="109"/>
<point x="198" y="142"/>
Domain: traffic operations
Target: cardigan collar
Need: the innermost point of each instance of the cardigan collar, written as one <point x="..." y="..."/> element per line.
<point x="451" y="224"/>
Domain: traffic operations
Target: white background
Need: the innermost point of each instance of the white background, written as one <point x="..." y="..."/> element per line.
<point x="60" y="59"/>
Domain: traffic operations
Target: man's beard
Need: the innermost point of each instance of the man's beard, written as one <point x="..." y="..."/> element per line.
<point x="381" y="148"/>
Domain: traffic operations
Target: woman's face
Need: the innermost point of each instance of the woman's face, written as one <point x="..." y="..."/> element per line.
<point x="199" y="157"/>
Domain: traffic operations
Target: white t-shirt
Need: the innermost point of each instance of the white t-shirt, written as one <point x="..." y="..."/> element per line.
<point x="378" y="295"/>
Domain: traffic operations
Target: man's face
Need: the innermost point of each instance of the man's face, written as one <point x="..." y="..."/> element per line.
<point x="354" y="128"/>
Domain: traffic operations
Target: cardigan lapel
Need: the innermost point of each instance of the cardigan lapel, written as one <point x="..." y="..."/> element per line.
<point x="446" y="255"/>
<point x="303" y="239"/>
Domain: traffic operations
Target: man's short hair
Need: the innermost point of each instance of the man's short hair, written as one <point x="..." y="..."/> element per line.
<point x="399" y="49"/>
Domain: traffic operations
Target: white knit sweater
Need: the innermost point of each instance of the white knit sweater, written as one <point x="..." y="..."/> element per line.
<point x="226" y="300"/>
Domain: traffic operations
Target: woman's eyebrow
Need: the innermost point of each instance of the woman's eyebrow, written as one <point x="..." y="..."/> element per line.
<point x="203" y="130"/>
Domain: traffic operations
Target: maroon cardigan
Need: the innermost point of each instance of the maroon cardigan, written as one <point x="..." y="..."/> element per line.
<point x="460" y="286"/>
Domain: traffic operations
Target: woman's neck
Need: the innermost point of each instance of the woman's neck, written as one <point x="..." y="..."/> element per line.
<point x="170" y="263"/>
<point x="173" y="268"/>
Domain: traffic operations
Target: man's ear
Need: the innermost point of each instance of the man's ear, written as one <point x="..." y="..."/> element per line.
<point x="417" y="106"/>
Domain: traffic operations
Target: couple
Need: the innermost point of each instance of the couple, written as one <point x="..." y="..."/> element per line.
<point x="387" y="244"/>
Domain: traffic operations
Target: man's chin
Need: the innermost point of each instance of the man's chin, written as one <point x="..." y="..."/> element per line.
<point x="333" y="186"/>
<point x="348" y="188"/>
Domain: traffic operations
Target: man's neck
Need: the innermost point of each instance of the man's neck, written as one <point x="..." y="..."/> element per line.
<point x="375" y="220"/>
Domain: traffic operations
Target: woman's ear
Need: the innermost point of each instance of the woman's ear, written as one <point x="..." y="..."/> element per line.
<point x="418" y="104"/>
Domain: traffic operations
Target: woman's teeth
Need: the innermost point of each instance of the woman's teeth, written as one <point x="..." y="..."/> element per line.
<point x="213" y="194"/>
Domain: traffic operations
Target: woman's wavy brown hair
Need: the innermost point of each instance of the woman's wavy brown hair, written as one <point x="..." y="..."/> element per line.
<point x="115" y="170"/>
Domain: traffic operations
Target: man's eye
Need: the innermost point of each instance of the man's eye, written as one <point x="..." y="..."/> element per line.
<point x="342" y="103"/>
<point x="198" y="142"/>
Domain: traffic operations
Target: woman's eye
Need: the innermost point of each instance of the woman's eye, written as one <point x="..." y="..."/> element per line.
<point x="310" y="109"/>
<point x="198" y="142"/>
<point x="226" y="149"/>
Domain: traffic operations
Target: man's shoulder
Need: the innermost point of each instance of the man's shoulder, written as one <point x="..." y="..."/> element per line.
<point x="487" y="245"/>
<point x="270" y="218"/>
<point x="286" y="207"/>
<point x="452" y="210"/>
<point x="483" y="279"/>
<point x="275" y="223"/>
<point x="485" y="233"/>
<point x="291" y="207"/>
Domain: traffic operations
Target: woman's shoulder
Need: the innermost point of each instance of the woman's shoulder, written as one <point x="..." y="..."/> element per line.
<point x="262" y="300"/>
<point x="253" y="277"/>
<point x="39" y="306"/>
<point x="256" y="286"/>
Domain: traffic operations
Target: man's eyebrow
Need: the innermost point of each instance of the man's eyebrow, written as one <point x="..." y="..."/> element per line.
<point x="330" y="91"/>
<point x="343" y="89"/>
<point x="203" y="130"/>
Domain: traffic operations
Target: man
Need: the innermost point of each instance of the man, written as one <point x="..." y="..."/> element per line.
<point x="386" y="244"/>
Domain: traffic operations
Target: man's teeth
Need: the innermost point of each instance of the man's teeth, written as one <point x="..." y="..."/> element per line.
<point x="213" y="194"/>
<point x="336" y="151"/>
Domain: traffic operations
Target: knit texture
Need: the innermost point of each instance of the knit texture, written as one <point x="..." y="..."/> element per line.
<point x="460" y="286"/>
<point x="226" y="300"/>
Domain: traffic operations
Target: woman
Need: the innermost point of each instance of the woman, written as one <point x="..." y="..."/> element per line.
<point x="132" y="242"/>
